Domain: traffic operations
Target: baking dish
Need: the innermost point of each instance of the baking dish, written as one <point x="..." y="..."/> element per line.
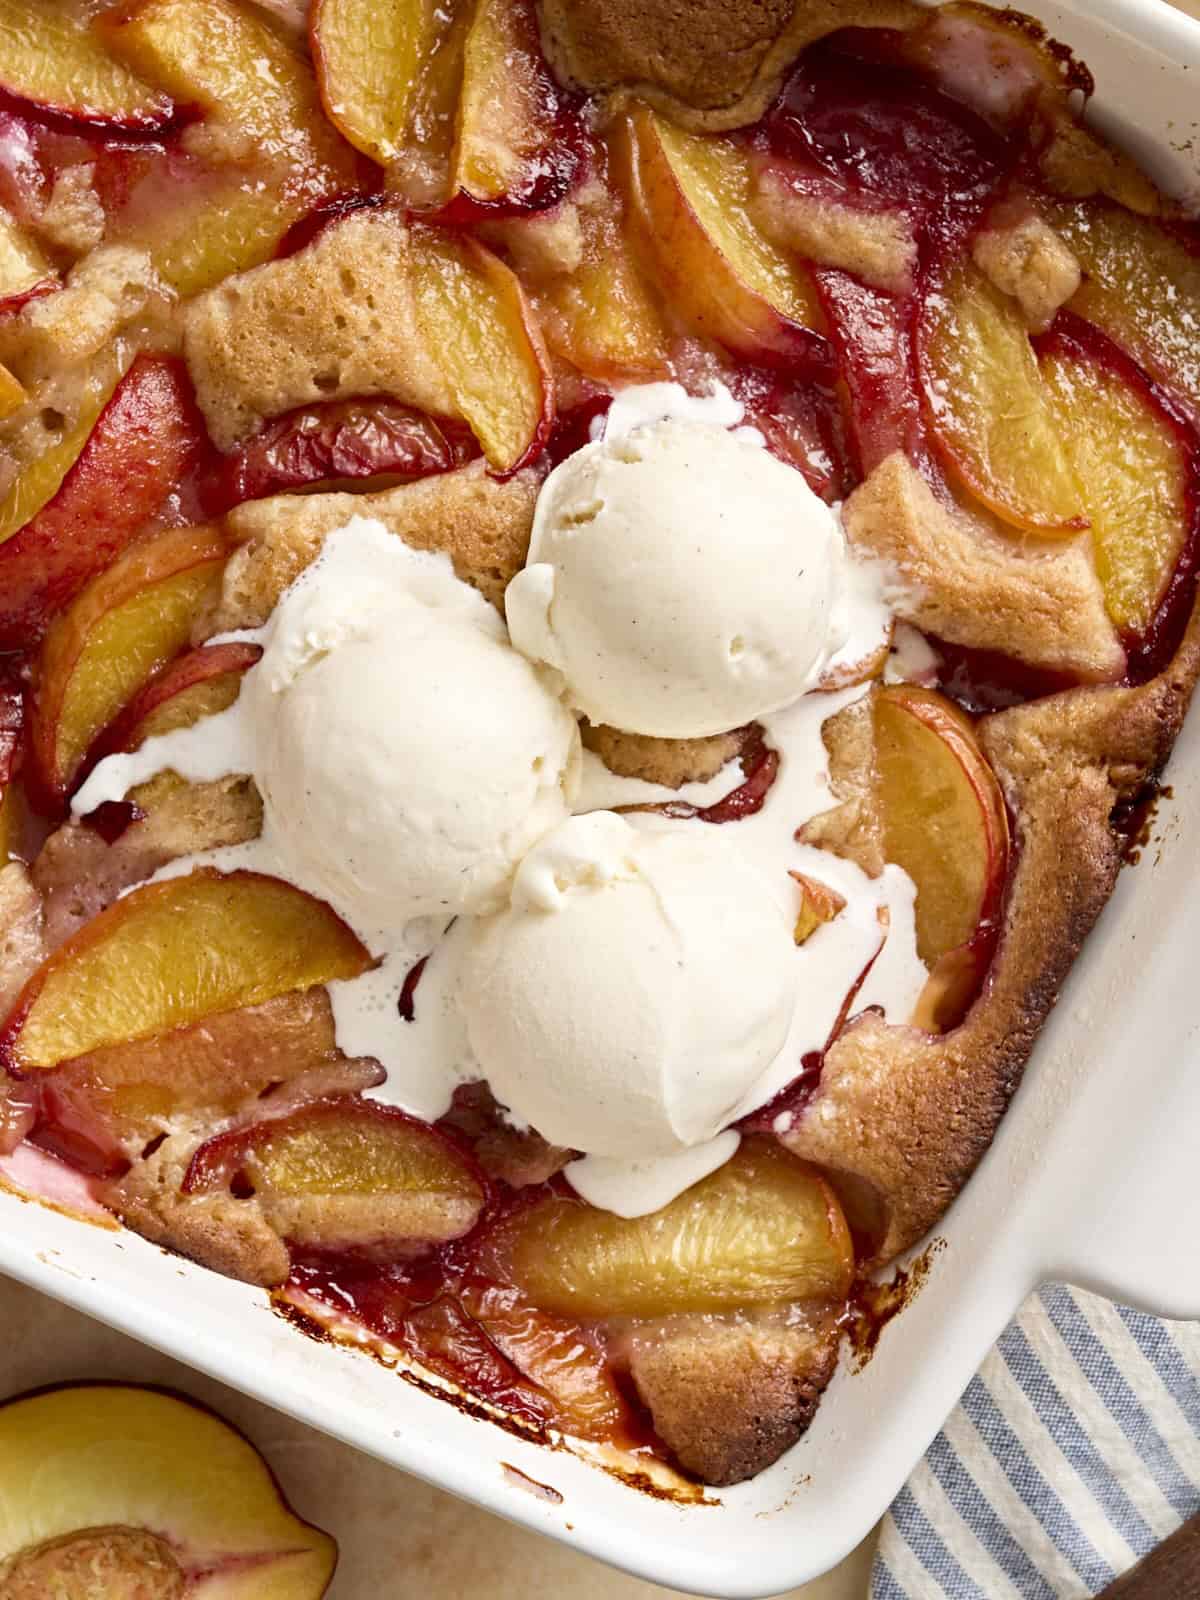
<point x="1089" y="1178"/>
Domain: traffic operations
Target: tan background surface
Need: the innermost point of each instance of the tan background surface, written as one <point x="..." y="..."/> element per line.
<point x="400" y="1540"/>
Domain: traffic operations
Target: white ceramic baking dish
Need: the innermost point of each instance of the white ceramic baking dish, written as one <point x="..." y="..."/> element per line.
<point x="1091" y="1179"/>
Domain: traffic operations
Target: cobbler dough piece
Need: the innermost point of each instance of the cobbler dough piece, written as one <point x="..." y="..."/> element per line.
<point x="670" y="762"/>
<point x="230" y="1236"/>
<point x="1028" y="260"/>
<point x="904" y="1116"/>
<point x="964" y="580"/>
<point x="22" y="943"/>
<point x="709" y="64"/>
<point x="481" y="523"/>
<point x="336" y="320"/>
<point x="877" y="246"/>
<point x="78" y="874"/>
<point x="104" y="293"/>
<point x="852" y="829"/>
<point x="729" y="1397"/>
<point x="73" y="218"/>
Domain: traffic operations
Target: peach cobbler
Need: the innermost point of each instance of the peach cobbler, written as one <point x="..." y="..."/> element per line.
<point x="587" y="601"/>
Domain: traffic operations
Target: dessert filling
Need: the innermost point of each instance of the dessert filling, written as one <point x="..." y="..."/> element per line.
<point x="581" y="968"/>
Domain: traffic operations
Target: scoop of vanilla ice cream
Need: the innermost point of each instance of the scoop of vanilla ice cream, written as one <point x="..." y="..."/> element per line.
<point x="407" y="756"/>
<point x="638" y="984"/>
<point x="682" y="580"/>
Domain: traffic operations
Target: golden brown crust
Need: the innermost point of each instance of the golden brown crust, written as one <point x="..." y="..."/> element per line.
<point x="230" y="1236"/>
<point x="670" y="762"/>
<point x="961" y="577"/>
<point x="728" y="1398"/>
<point x="482" y="524"/>
<point x="709" y="64"/>
<point x="907" y="1115"/>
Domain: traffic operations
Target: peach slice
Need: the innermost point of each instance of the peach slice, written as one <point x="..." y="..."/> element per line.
<point x="989" y="413"/>
<point x="508" y="146"/>
<point x="144" y="441"/>
<point x="944" y="818"/>
<point x="1142" y="287"/>
<point x="819" y="904"/>
<point x="473" y="311"/>
<point x="349" y="1176"/>
<point x="552" y="1353"/>
<point x="202" y="683"/>
<point x="762" y="1230"/>
<point x="127" y="624"/>
<point x="51" y="60"/>
<point x="229" y="228"/>
<point x="24" y="270"/>
<point x="341" y="442"/>
<point x="1133" y="465"/>
<point x="171" y="953"/>
<point x="689" y="197"/>
<point x="154" y="1497"/>
<point x="38" y="483"/>
<point x="257" y="1057"/>
<point x="601" y="316"/>
<point x="387" y="70"/>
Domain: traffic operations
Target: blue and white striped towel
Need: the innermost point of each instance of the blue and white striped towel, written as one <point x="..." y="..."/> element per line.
<point x="1073" y="1453"/>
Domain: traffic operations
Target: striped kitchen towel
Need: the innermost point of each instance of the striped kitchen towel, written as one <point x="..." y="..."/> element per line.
<point x="1073" y="1453"/>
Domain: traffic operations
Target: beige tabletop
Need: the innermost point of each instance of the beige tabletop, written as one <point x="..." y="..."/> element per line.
<point x="399" y="1539"/>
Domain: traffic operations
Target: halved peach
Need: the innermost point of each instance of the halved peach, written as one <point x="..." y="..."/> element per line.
<point x="1142" y="287"/>
<point x="1132" y="462"/>
<point x="201" y="683"/>
<point x="154" y="1497"/>
<point x="943" y="814"/>
<point x="994" y="424"/>
<point x="144" y="440"/>
<point x="24" y="270"/>
<point x="126" y="625"/>
<point x="473" y="311"/>
<point x="508" y="145"/>
<point x="349" y="1176"/>
<point x="171" y="953"/>
<point x="689" y="197"/>
<point x="387" y="70"/>
<point x="50" y="59"/>
<point x="257" y="1057"/>
<point x="764" y="1229"/>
